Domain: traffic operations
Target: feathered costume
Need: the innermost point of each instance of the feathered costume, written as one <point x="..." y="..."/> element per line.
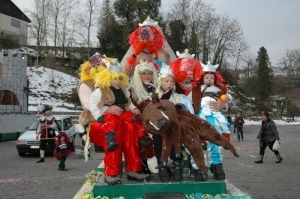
<point x="147" y="43"/>
<point x="87" y="71"/>
<point x="116" y="134"/>
<point x="188" y="73"/>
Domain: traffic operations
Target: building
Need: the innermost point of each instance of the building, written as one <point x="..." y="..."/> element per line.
<point x="13" y="23"/>
<point x="14" y="91"/>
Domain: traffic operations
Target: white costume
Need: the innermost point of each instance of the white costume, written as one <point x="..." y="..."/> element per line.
<point x="221" y="122"/>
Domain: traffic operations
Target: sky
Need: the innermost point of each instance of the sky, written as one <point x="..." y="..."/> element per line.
<point x="270" y="23"/>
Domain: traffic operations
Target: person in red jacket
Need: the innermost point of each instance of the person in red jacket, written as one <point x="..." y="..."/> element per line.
<point x="46" y="131"/>
<point x="115" y="129"/>
<point x="63" y="148"/>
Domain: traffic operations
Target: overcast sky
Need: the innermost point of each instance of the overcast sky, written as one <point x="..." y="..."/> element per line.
<point x="273" y="24"/>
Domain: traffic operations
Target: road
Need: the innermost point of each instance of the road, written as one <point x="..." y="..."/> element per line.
<point x="22" y="177"/>
<point x="267" y="180"/>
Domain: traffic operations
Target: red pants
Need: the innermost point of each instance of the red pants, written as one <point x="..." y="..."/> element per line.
<point x="127" y="134"/>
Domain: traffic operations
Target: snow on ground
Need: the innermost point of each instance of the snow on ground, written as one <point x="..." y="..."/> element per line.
<point x="43" y="82"/>
<point x="47" y="86"/>
<point x="278" y="122"/>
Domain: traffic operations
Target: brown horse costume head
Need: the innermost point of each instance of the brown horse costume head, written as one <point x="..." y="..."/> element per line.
<point x="177" y="126"/>
<point x="160" y="118"/>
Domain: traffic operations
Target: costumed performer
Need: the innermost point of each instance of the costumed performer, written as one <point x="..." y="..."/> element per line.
<point x="147" y="43"/>
<point x="188" y="72"/>
<point x="166" y="90"/>
<point x="46" y="131"/>
<point x="213" y="86"/>
<point x="141" y="90"/>
<point x="87" y="71"/>
<point x="114" y="129"/>
<point x="63" y="149"/>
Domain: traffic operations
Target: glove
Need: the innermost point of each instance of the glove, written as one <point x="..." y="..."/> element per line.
<point x="100" y="118"/>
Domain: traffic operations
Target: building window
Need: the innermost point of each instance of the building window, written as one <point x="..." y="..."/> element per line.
<point x="15" y="23"/>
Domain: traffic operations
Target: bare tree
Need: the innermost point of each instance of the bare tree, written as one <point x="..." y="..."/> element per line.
<point x="219" y="37"/>
<point x="66" y="24"/>
<point x="191" y="13"/>
<point x="39" y="25"/>
<point x="86" y="20"/>
<point x="56" y="8"/>
<point x="291" y="63"/>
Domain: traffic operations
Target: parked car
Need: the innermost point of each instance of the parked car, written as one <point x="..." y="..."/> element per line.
<point x="27" y="142"/>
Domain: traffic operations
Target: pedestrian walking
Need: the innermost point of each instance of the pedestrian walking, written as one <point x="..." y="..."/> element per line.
<point x="238" y="126"/>
<point x="267" y="136"/>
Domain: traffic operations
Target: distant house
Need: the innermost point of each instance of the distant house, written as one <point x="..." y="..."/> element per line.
<point x="13" y="23"/>
<point x="277" y="71"/>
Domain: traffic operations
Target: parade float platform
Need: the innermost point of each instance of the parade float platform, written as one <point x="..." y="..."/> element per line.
<point x="132" y="189"/>
<point x="95" y="187"/>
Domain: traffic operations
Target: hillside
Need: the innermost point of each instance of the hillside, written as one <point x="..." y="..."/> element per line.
<point x="51" y="87"/>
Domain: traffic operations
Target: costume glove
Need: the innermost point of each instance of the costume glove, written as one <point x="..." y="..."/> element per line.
<point x="100" y="119"/>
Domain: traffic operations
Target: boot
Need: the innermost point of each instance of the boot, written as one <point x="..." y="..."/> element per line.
<point x="143" y="142"/>
<point x="112" y="180"/>
<point x="198" y="176"/>
<point x="217" y="170"/>
<point x="41" y="160"/>
<point x="111" y="142"/>
<point x="177" y="170"/>
<point x="279" y="158"/>
<point x="139" y="177"/>
<point x="163" y="172"/>
<point x="62" y="169"/>
<point x="260" y="160"/>
<point x="145" y="167"/>
<point x="178" y="167"/>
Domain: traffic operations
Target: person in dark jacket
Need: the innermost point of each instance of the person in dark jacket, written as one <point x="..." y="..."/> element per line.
<point x="267" y="136"/>
<point x="238" y="126"/>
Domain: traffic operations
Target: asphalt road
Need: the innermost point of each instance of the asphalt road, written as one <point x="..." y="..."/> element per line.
<point x="269" y="180"/>
<point x="22" y="177"/>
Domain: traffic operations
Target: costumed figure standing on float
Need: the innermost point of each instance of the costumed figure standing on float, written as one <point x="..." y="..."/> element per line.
<point x="214" y="87"/>
<point x="87" y="71"/>
<point x="114" y="128"/>
<point x="147" y="43"/>
<point x="188" y="73"/>
<point x="166" y="89"/>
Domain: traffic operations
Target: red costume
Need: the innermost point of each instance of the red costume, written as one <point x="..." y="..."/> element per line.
<point x="127" y="134"/>
<point x="116" y="133"/>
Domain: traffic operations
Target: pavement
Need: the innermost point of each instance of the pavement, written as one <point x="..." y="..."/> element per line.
<point x="267" y="180"/>
<point x="22" y="177"/>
